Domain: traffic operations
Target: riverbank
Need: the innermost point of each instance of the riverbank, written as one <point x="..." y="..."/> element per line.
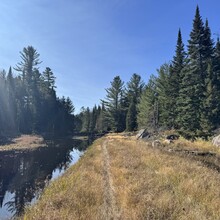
<point x="122" y="178"/>
<point x="23" y="142"/>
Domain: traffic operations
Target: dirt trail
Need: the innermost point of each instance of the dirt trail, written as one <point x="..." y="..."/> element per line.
<point x="111" y="209"/>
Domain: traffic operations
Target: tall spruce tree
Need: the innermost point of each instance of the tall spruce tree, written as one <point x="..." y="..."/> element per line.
<point x="133" y="93"/>
<point x="216" y="82"/>
<point x="165" y="100"/>
<point x="148" y="111"/>
<point x="175" y="80"/>
<point x="209" y="105"/>
<point x="114" y="105"/>
<point x="193" y="82"/>
<point x="131" y="117"/>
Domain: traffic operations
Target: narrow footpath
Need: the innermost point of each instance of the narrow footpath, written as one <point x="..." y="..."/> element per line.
<point x="111" y="209"/>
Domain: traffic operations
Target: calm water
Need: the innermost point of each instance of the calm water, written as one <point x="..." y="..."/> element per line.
<point x="23" y="175"/>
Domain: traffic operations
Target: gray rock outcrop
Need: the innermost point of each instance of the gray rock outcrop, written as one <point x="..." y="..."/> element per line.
<point x="142" y="134"/>
<point x="216" y="141"/>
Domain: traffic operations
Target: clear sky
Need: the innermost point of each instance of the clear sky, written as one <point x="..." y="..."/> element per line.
<point x="88" y="42"/>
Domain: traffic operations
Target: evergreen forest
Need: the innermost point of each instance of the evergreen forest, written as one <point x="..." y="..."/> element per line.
<point x="184" y="95"/>
<point x="28" y="100"/>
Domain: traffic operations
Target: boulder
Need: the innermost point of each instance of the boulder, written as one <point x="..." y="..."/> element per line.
<point x="142" y="134"/>
<point x="172" y="137"/>
<point x="156" y="143"/>
<point x="216" y="141"/>
<point x="167" y="141"/>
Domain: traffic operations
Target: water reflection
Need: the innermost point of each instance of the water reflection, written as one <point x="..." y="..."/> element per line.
<point x="23" y="175"/>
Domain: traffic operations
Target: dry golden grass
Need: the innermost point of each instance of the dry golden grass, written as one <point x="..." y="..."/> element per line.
<point x="198" y="144"/>
<point x="154" y="185"/>
<point x="24" y="142"/>
<point x="148" y="184"/>
<point x="78" y="194"/>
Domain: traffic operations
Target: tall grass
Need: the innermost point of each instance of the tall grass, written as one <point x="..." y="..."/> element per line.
<point x="148" y="184"/>
<point x="78" y="194"/>
<point x="154" y="185"/>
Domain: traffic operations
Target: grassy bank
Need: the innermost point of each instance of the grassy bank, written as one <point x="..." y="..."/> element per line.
<point x="121" y="178"/>
<point x="78" y="194"/>
<point x="23" y="142"/>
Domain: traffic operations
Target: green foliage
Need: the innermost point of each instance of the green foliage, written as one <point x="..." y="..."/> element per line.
<point x="91" y="121"/>
<point x="115" y="105"/>
<point x="133" y="95"/>
<point x="131" y="118"/>
<point x="148" y="106"/>
<point x="186" y="92"/>
<point x="28" y="102"/>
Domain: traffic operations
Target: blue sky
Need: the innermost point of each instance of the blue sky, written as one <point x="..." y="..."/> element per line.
<point x="88" y="42"/>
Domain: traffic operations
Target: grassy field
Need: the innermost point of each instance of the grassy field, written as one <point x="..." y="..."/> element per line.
<point x="23" y="142"/>
<point x="122" y="178"/>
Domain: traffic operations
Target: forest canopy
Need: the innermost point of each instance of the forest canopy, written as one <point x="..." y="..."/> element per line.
<point x="28" y="100"/>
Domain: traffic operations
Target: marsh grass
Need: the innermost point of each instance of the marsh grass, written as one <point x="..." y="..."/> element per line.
<point x="154" y="185"/>
<point x="148" y="184"/>
<point x="78" y="194"/>
<point x="24" y="142"/>
<point x="198" y="144"/>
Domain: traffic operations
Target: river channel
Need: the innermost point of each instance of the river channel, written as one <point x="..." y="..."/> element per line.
<point x="24" y="174"/>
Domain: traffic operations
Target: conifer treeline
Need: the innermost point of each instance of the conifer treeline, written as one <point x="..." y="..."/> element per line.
<point x="118" y="112"/>
<point x="185" y="94"/>
<point x="28" y="101"/>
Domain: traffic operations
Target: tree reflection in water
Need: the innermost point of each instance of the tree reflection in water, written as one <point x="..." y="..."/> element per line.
<point x="25" y="174"/>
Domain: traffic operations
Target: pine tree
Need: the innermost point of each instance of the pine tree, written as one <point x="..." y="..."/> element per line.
<point x="148" y="111"/>
<point x="133" y="94"/>
<point x="101" y="123"/>
<point x="134" y="88"/>
<point x="208" y="44"/>
<point x="216" y="81"/>
<point x="49" y="79"/>
<point x="86" y="120"/>
<point x="165" y="99"/>
<point x="11" y="104"/>
<point x="131" y="118"/>
<point x="175" y="80"/>
<point x="114" y="104"/>
<point x="93" y="119"/>
<point x="209" y="106"/>
<point x="193" y="82"/>
<point x="28" y="67"/>
<point x="3" y="103"/>
<point x="209" y="114"/>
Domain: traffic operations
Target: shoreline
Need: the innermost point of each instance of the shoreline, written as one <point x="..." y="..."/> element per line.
<point x="23" y="142"/>
<point x="114" y="161"/>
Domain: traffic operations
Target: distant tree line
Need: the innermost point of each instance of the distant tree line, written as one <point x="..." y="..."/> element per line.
<point x="117" y="112"/>
<point x="28" y="100"/>
<point x="184" y="95"/>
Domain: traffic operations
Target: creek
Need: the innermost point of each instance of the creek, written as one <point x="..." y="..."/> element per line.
<point x="24" y="174"/>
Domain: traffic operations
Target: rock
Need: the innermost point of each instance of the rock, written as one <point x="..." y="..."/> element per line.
<point x="216" y="141"/>
<point x="172" y="137"/>
<point x="156" y="143"/>
<point x="142" y="134"/>
<point x="167" y="141"/>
